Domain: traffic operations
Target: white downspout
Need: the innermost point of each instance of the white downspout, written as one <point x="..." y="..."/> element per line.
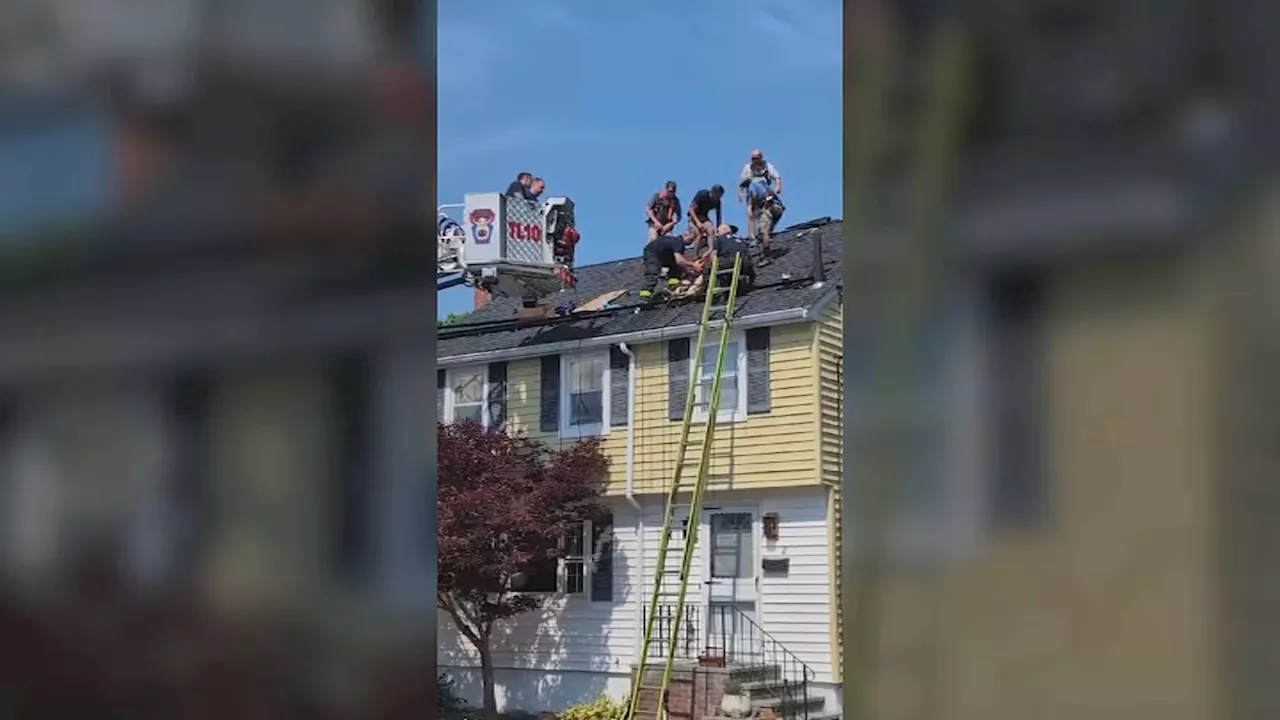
<point x="637" y="582"/>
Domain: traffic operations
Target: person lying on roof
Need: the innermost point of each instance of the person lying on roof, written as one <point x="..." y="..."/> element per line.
<point x="728" y="247"/>
<point x="704" y="203"/>
<point x="666" y="251"/>
<point x="663" y="211"/>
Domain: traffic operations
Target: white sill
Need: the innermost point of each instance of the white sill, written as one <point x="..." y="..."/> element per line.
<point x="722" y="418"/>
<point x="559" y="595"/>
<point x="582" y="432"/>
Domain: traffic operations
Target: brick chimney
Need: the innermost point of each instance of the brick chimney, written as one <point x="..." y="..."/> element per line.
<point x="481" y="298"/>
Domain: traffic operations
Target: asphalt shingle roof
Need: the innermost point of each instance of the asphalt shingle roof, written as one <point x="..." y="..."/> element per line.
<point x="784" y="284"/>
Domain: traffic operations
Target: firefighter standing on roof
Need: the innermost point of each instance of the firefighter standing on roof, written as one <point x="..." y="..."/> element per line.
<point x="761" y="184"/>
<point x="705" y="202"/>
<point x="663" y="211"/>
<point x="766" y="211"/>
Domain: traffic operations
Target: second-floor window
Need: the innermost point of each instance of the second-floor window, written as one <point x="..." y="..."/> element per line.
<point x="584" y="390"/>
<point x="583" y="394"/>
<point x="465" y="395"/>
<point x="733" y="400"/>
<point x="745" y="387"/>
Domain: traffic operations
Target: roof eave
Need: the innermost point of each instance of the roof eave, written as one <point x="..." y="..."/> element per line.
<point x="777" y="317"/>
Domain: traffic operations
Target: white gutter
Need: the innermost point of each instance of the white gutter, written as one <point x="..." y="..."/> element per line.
<point x="663" y="333"/>
<point x="638" y="582"/>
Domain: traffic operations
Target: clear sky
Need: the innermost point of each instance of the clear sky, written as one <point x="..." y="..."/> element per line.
<point x="51" y="172"/>
<point x="608" y="100"/>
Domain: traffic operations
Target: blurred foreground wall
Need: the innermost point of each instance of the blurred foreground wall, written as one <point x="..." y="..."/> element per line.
<point x="215" y="341"/>
<point x="1116" y="213"/>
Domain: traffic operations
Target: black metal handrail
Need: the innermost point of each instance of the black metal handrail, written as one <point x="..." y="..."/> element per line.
<point x="731" y="639"/>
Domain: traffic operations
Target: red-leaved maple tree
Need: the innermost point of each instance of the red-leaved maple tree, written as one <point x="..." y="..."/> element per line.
<point x="505" y="503"/>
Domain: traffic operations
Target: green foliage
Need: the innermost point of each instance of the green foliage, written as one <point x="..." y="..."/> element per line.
<point x="447" y="697"/>
<point x="451" y="319"/>
<point x="604" y="708"/>
<point x="732" y="687"/>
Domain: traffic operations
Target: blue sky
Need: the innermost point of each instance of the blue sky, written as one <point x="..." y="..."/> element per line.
<point x="47" y="168"/>
<point x="607" y="100"/>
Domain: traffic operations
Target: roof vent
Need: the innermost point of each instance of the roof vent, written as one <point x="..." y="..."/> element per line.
<point x="819" y="266"/>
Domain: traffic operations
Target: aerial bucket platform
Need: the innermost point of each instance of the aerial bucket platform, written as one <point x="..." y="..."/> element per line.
<point x="508" y="245"/>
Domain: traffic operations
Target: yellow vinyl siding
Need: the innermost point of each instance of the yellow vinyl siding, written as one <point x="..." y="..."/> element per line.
<point x="830" y="353"/>
<point x="766" y="450"/>
<point x="524" y="402"/>
<point x="828" y="341"/>
<point x="774" y="449"/>
<point x="270" y="428"/>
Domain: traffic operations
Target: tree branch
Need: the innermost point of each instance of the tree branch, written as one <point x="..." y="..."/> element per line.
<point x="460" y="618"/>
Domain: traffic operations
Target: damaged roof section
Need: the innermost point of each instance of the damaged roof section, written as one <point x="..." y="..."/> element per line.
<point x="785" y="284"/>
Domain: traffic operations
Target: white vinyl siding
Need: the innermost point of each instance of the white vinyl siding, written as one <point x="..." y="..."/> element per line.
<point x="574" y="634"/>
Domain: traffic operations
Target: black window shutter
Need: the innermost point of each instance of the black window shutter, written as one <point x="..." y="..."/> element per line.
<point x="497" y="396"/>
<point x="440" y="391"/>
<point x="619" y="382"/>
<point x="549" y="413"/>
<point x="677" y="377"/>
<point x="758" y="393"/>
<point x="602" y="558"/>
<point x="352" y="509"/>
<point x="190" y="398"/>
<point x="1020" y="484"/>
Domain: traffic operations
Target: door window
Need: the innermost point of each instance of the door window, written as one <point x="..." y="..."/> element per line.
<point x="731" y="546"/>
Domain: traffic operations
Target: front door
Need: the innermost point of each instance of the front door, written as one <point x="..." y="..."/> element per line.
<point x="732" y="560"/>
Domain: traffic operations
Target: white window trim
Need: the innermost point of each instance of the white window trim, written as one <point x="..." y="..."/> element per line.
<point x="451" y="376"/>
<point x="562" y="581"/>
<point x="726" y="414"/>
<point x="958" y="407"/>
<point x="584" y="431"/>
<point x="588" y="569"/>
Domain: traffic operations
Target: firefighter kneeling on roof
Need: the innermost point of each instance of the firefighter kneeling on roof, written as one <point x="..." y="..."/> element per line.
<point x="687" y="277"/>
<point x="728" y="246"/>
<point x="667" y="251"/>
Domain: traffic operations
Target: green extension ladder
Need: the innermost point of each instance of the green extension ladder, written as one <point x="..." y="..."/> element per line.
<point x="695" y="501"/>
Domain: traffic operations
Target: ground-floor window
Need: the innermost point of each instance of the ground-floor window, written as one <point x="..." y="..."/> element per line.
<point x="585" y="568"/>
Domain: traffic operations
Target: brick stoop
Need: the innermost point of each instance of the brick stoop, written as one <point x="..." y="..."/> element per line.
<point x="694" y="692"/>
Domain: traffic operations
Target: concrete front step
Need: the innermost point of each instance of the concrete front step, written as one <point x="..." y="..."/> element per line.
<point x="742" y="673"/>
<point x="789" y="706"/>
<point x="768" y="687"/>
<point x="754" y="673"/>
<point x="783" y="706"/>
